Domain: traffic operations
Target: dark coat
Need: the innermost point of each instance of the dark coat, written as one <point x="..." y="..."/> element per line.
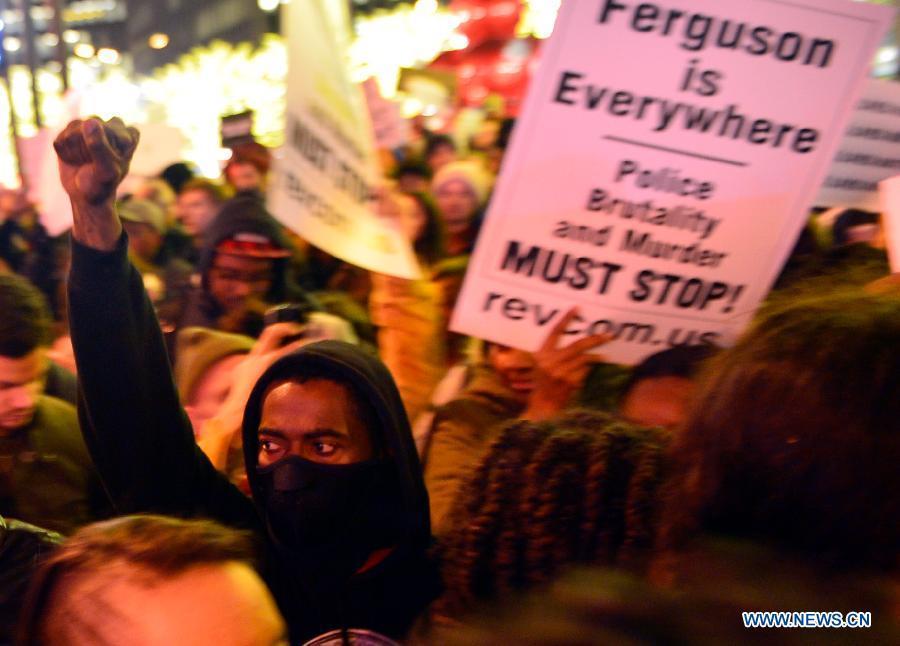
<point x="143" y="445"/>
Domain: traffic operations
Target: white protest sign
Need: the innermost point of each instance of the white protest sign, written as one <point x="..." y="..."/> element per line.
<point x="889" y="190"/>
<point x="663" y="167"/>
<point x="44" y="187"/>
<point x="390" y="128"/>
<point x="324" y="179"/>
<point x="870" y="151"/>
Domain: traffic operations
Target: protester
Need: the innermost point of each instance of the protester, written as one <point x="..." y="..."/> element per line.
<point x="216" y="373"/>
<point x="413" y="176"/>
<point x="440" y="150"/>
<point x="23" y="548"/>
<point x="511" y="384"/>
<point x="46" y="474"/>
<point x="660" y="389"/>
<point x="337" y="491"/>
<point x="412" y="337"/>
<point x="206" y="361"/>
<point x="166" y="278"/>
<point x="244" y="270"/>
<point x="177" y="175"/>
<point x="25" y="246"/>
<point x="460" y="190"/>
<point x="793" y="439"/>
<point x="247" y="170"/>
<point x="581" y="489"/>
<point x="199" y="202"/>
<point x="145" y="580"/>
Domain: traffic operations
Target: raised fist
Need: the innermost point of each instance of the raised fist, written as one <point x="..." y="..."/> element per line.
<point x="94" y="157"/>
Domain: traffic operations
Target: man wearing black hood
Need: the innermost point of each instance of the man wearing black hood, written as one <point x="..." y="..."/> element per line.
<point x="338" y="496"/>
<point x="244" y="268"/>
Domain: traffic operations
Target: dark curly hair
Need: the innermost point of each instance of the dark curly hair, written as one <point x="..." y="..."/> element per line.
<point x="546" y="495"/>
<point x="794" y="438"/>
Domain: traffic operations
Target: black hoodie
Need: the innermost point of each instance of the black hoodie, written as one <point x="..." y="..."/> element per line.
<point x="242" y="214"/>
<point x="143" y="446"/>
<point x="388" y="597"/>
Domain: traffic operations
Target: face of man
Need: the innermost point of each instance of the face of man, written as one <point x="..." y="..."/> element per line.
<point x="315" y="420"/>
<point x="224" y="604"/>
<point x="22" y="382"/>
<point x="234" y="280"/>
<point x="196" y="210"/>
<point x="457" y="204"/>
<point x="515" y="368"/>
<point x="143" y="240"/>
<point x="659" y="401"/>
<point x="245" y="177"/>
<point x="440" y="157"/>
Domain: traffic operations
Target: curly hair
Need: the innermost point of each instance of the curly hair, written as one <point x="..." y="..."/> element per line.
<point x="794" y="439"/>
<point x="581" y="489"/>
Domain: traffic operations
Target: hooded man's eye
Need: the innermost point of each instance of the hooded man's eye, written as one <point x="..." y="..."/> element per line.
<point x="268" y="446"/>
<point x="325" y="449"/>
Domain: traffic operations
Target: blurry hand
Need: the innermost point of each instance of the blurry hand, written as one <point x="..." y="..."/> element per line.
<point x="560" y="372"/>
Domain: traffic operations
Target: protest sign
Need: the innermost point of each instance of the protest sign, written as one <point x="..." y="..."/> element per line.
<point x="390" y="128"/>
<point x="869" y="152"/>
<point x="323" y="182"/>
<point x="663" y="166"/>
<point x="889" y="192"/>
<point x="44" y="187"/>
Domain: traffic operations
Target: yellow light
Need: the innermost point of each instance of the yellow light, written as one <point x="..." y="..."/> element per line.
<point x="409" y="36"/>
<point x="268" y="5"/>
<point x="12" y="44"/>
<point x="50" y="40"/>
<point x="158" y="41"/>
<point x="538" y="18"/>
<point x="231" y="79"/>
<point x="84" y="50"/>
<point x="108" y="56"/>
<point x="71" y="36"/>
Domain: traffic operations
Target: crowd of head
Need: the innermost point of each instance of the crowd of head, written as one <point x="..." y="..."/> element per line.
<point x="212" y="431"/>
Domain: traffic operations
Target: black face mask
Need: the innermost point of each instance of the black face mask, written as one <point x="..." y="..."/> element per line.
<point x="331" y="517"/>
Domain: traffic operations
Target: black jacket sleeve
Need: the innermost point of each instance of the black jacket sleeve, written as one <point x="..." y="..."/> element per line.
<point x="139" y="437"/>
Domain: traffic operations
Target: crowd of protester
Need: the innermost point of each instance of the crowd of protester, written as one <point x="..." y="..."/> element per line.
<point x="213" y="432"/>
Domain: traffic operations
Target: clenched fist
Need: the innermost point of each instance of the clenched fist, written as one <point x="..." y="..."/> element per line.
<point x="94" y="157"/>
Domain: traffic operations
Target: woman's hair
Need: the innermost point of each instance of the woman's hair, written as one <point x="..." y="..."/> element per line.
<point x="432" y="244"/>
<point x="582" y="490"/>
<point x="793" y="440"/>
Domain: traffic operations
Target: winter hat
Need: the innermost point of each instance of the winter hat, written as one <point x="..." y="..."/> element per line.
<point x="471" y="173"/>
<point x="143" y="212"/>
<point x="199" y="348"/>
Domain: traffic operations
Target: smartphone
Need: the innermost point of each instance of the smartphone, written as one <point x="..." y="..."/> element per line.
<point x="287" y="313"/>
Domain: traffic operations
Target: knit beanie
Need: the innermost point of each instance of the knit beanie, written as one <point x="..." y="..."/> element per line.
<point x="469" y="172"/>
<point x="199" y="348"/>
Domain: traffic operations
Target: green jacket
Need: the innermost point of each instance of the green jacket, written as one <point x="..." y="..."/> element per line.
<point x="463" y="431"/>
<point x="46" y="474"/>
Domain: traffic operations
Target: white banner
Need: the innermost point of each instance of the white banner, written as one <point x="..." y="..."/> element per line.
<point x="870" y="151"/>
<point x="390" y="129"/>
<point x="324" y="180"/>
<point x="663" y="168"/>
<point x="889" y="203"/>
